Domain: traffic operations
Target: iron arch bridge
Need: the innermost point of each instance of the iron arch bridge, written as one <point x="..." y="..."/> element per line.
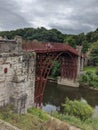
<point x="46" y="54"/>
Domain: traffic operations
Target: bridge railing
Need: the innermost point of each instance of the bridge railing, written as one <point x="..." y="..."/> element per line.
<point x="48" y="47"/>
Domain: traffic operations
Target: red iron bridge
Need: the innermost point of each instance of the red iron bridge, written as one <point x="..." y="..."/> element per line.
<point x="46" y="55"/>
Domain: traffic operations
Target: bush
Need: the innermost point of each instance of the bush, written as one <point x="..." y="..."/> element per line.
<point x="89" y="124"/>
<point x="96" y="71"/>
<point x="39" y="113"/>
<point x="89" y="78"/>
<point x="78" y="109"/>
<point x="83" y="78"/>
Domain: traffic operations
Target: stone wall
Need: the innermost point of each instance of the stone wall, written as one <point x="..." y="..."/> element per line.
<point x="67" y="82"/>
<point x="17" y="77"/>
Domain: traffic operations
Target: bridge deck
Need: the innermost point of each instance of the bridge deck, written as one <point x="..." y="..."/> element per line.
<point x="48" y="47"/>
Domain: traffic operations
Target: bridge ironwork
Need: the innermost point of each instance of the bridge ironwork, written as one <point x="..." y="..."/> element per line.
<point x="46" y="54"/>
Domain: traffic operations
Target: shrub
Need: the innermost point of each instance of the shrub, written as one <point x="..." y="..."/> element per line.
<point x="78" y="109"/>
<point x="38" y="112"/>
<point x="96" y="71"/>
<point x="90" y="79"/>
<point x="83" y="78"/>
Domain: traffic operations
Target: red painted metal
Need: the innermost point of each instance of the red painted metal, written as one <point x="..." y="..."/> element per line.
<point x="44" y="47"/>
<point x="5" y="70"/>
<point x="46" y="54"/>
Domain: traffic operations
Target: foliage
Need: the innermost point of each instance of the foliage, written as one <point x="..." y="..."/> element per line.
<point x="28" y="121"/>
<point x="96" y="71"/>
<point x="89" y="78"/>
<point x="94" y="53"/>
<point x="53" y="35"/>
<point x="81" y="38"/>
<point x="88" y="124"/>
<point x="89" y="68"/>
<point x="85" y="46"/>
<point x="70" y="40"/>
<point x="78" y="109"/>
<point x="83" y="78"/>
<point x="55" y="69"/>
<point x="39" y="113"/>
<point x="40" y="34"/>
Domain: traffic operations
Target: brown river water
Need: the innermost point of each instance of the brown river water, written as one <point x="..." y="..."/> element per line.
<point x="55" y="96"/>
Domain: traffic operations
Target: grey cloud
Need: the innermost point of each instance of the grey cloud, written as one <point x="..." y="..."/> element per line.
<point x="69" y="16"/>
<point x="10" y="17"/>
<point x="82" y="18"/>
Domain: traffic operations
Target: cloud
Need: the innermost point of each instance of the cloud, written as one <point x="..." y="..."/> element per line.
<point x="66" y="15"/>
<point x="10" y="16"/>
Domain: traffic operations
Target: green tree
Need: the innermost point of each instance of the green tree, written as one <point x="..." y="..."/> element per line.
<point x="81" y="37"/>
<point x="70" y="40"/>
<point x="78" y="109"/>
<point x="55" y="69"/>
<point x="94" y="53"/>
<point x="85" y="46"/>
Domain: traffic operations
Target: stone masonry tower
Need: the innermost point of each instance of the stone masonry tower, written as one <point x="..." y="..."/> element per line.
<point x="17" y="75"/>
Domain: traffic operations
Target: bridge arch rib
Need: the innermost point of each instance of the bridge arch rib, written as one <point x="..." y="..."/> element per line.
<point x="46" y="53"/>
<point x="44" y="63"/>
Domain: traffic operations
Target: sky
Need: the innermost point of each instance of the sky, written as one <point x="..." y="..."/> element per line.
<point x="68" y="16"/>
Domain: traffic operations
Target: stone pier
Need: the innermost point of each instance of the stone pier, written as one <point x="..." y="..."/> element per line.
<point x="17" y="75"/>
<point x="67" y="82"/>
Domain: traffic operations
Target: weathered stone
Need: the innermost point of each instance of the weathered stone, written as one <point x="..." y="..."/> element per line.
<point x="67" y="82"/>
<point x="17" y="79"/>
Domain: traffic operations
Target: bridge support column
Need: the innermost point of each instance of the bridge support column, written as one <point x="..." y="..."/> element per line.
<point x="80" y="62"/>
<point x="67" y="82"/>
<point x="68" y="71"/>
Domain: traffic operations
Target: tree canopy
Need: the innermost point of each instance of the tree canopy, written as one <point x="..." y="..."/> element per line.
<point x="53" y="35"/>
<point x="94" y="53"/>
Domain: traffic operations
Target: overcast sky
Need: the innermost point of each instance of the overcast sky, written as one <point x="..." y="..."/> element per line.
<point x="68" y="16"/>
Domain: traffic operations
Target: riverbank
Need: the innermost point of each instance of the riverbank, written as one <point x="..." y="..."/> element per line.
<point x="53" y="80"/>
<point x="64" y="82"/>
<point x="36" y="119"/>
<point x="89" y="78"/>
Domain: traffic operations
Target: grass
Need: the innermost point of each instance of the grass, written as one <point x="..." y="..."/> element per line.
<point x="90" y="68"/>
<point x="89" y="124"/>
<point x="33" y="120"/>
<point x="90" y="77"/>
<point x="39" y="113"/>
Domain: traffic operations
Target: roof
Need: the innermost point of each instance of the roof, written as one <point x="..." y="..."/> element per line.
<point x="48" y="47"/>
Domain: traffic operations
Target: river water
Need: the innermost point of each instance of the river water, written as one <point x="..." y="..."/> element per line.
<point x="55" y="96"/>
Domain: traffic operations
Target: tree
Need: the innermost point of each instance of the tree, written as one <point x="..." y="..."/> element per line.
<point x="70" y="40"/>
<point x="85" y="46"/>
<point x="55" y="69"/>
<point x="94" y="53"/>
<point x="81" y="37"/>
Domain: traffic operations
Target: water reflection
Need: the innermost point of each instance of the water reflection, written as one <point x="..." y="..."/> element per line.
<point x="55" y="95"/>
